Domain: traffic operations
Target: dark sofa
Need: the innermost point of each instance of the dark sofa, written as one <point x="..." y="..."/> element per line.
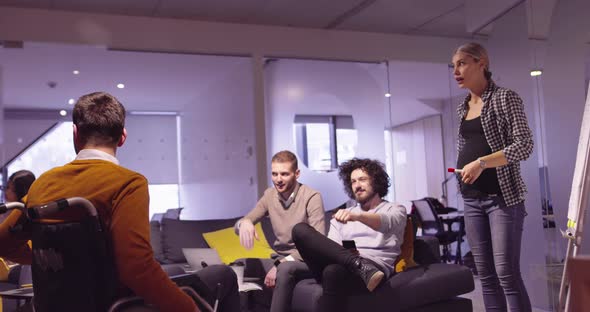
<point x="17" y="276"/>
<point x="429" y="287"/>
<point x="10" y="283"/>
<point x="432" y="286"/>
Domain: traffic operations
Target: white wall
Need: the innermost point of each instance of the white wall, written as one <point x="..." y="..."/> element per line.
<point x="417" y="159"/>
<point x="218" y="163"/>
<point x="325" y="88"/>
<point x="418" y="88"/>
<point x="2" y="148"/>
<point x="18" y="134"/>
<point x="151" y="148"/>
<point x="564" y="101"/>
<point x="450" y="122"/>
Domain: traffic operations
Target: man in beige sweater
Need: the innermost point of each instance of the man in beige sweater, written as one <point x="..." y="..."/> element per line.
<point x="287" y="203"/>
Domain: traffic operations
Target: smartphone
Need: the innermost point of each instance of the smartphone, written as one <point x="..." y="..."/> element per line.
<point x="348" y="244"/>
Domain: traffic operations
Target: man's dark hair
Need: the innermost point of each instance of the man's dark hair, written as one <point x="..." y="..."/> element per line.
<point x="99" y="118"/>
<point x="286" y="156"/>
<point x="374" y="169"/>
<point x="21" y="182"/>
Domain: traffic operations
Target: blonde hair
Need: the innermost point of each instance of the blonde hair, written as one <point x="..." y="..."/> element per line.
<point x="479" y="53"/>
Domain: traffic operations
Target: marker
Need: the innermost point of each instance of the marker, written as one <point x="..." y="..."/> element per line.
<point x="453" y="170"/>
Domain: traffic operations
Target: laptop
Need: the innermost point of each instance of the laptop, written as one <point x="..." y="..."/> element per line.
<point x="199" y="258"/>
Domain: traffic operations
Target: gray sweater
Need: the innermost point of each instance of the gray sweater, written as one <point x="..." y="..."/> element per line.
<point x="381" y="247"/>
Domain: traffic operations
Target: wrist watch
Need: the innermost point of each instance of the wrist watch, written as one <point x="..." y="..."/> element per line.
<point x="482" y="163"/>
<point x="277" y="262"/>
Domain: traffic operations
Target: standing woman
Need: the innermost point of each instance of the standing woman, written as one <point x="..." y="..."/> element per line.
<point x="493" y="138"/>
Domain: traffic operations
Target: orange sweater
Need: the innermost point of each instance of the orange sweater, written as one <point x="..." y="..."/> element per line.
<point x="122" y="200"/>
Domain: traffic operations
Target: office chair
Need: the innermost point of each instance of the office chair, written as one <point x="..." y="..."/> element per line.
<point x="73" y="267"/>
<point x="433" y="225"/>
<point x="439" y="207"/>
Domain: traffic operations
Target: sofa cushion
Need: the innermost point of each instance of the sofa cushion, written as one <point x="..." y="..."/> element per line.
<point x="175" y="268"/>
<point x="306" y="296"/>
<point x="3" y="270"/>
<point x="227" y="244"/>
<point x="426" y="250"/>
<point x="5" y="303"/>
<point x="414" y="287"/>
<point x="156" y="241"/>
<point x="406" y="258"/>
<point x="178" y="234"/>
<point x="422" y="285"/>
<point x="172" y="213"/>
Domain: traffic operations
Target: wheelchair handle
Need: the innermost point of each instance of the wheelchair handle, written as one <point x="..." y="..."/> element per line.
<point x="4" y="207"/>
<point x="49" y="209"/>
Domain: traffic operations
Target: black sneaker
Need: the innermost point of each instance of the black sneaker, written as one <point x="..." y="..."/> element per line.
<point x="368" y="272"/>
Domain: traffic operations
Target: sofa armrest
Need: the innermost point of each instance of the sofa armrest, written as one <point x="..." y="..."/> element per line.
<point x="13" y="274"/>
<point x="426" y="250"/>
<point x="174" y="268"/>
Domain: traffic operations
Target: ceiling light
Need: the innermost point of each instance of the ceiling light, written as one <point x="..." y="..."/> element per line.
<point x="536" y="72"/>
<point x="63" y="112"/>
<point x="71" y="101"/>
<point x="120" y="86"/>
<point x="76" y="72"/>
<point x="387" y="94"/>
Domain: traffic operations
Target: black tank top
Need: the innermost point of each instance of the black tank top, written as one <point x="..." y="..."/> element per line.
<point x="476" y="146"/>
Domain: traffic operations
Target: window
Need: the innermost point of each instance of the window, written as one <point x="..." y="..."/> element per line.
<point x="55" y="148"/>
<point x="324" y="142"/>
<point x="163" y="197"/>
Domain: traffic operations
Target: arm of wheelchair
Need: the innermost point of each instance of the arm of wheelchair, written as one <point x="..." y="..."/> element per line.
<point x="5" y="207"/>
<point x="50" y="209"/>
<point x="201" y="303"/>
<point x="137" y="304"/>
<point x="132" y="302"/>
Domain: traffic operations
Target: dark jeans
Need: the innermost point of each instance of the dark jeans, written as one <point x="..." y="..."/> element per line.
<point x="221" y="281"/>
<point x="331" y="265"/>
<point x="494" y="233"/>
<point x="288" y="274"/>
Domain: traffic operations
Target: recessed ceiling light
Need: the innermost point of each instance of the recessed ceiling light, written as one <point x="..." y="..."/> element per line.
<point x="71" y="101"/>
<point x="76" y="72"/>
<point x="536" y="72"/>
<point x="120" y="86"/>
<point x="63" y="112"/>
<point x="388" y="94"/>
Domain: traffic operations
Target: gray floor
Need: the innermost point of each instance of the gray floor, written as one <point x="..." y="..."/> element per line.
<point x="477" y="298"/>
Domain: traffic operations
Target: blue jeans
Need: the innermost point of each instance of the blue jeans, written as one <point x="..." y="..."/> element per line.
<point x="494" y="233"/>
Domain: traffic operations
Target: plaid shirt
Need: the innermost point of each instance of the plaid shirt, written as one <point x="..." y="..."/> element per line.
<point x="505" y="128"/>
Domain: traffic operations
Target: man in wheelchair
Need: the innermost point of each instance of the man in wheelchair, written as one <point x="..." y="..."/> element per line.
<point x="121" y="199"/>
